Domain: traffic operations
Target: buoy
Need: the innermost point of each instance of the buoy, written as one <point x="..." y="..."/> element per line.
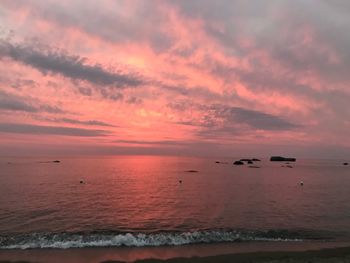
<point x="301" y="183"/>
<point x="180" y="181"/>
<point x="81" y="181"/>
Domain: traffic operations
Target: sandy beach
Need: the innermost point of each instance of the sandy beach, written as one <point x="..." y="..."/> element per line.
<point x="241" y="252"/>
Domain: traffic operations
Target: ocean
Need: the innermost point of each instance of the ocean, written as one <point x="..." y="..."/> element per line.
<point x="142" y="201"/>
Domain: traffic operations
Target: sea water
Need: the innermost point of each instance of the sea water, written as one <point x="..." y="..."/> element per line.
<point x="155" y="201"/>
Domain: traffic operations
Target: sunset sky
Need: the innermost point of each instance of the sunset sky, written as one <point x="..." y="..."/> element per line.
<point x="199" y="77"/>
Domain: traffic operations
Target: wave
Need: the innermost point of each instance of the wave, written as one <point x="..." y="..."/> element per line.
<point x="114" y="239"/>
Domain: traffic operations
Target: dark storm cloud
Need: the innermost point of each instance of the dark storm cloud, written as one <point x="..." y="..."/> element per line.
<point x="49" y="130"/>
<point x="69" y="66"/>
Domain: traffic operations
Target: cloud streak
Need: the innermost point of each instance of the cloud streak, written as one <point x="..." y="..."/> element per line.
<point x="18" y="128"/>
<point x="165" y="142"/>
<point x="12" y="102"/>
<point x="70" y="66"/>
<point x="255" y="119"/>
<point x="79" y="122"/>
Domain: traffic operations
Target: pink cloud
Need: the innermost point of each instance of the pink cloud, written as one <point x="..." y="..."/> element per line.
<point x="157" y="72"/>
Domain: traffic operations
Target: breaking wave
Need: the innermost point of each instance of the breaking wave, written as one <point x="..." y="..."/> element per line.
<point x="117" y="239"/>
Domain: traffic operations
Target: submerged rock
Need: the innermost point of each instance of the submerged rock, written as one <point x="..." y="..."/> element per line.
<point x="238" y="163"/>
<point x="56" y="161"/>
<point x="281" y="159"/>
<point x="192" y="171"/>
<point x="345" y="164"/>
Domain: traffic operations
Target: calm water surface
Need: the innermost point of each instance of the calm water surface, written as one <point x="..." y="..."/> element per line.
<point x="138" y="201"/>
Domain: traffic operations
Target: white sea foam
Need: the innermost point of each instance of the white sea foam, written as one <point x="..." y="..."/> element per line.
<point x="71" y="240"/>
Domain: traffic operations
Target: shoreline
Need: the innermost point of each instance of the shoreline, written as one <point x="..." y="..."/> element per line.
<point x="328" y="255"/>
<point x="223" y="252"/>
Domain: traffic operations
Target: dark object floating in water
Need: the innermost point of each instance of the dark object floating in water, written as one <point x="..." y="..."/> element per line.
<point x="301" y="183"/>
<point x="245" y="160"/>
<point x="221" y="162"/>
<point x="250" y="161"/>
<point x="345" y="163"/>
<point x="81" y="181"/>
<point x="253" y="166"/>
<point x="238" y="163"/>
<point x="256" y="160"/>
<point x="55" y="161"/>
<point x="180" y="181"/>
<point x="281" y="159"/>
<point x="192" y="171"/>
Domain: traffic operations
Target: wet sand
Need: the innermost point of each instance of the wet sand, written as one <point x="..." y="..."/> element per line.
<point x="227" y="252"/>
<point x="335" y="255"/>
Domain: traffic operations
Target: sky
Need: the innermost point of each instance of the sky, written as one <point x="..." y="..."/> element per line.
<point x="199" y="77"/>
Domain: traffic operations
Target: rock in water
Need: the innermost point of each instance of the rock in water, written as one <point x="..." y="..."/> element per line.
<point x="245" y="160"/>
<point x="281" y="159"/>
<point x="345" y="163"/>
<point x="238" y="163"/>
